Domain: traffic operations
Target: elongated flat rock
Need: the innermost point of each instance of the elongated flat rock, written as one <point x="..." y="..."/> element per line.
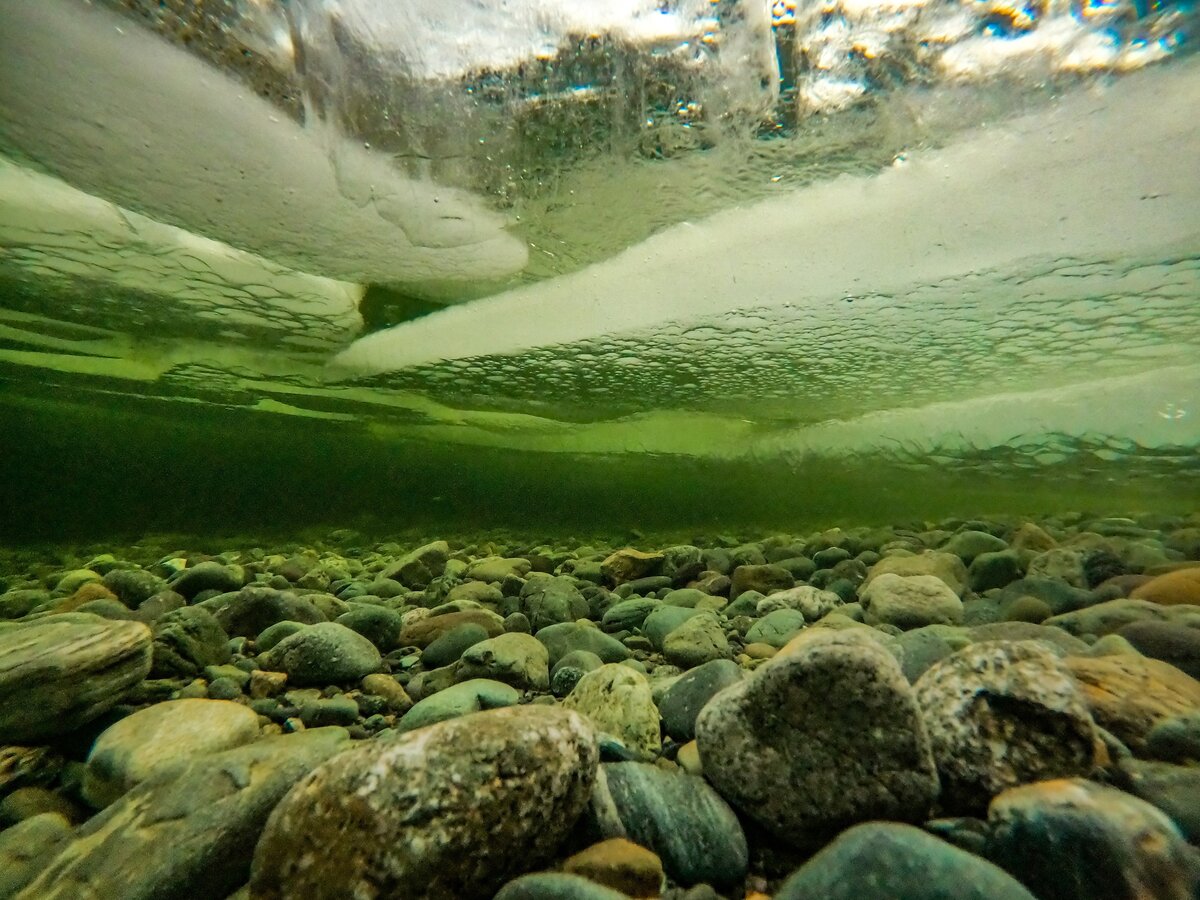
<point x="61" y="672"/>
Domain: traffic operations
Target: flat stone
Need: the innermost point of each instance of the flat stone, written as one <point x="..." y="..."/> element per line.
<point x="449" y="647"/>
<point x="1129" y="695"/>
<point x="618" y="701"/>
<point x="776" y="628"/>
<point x="1113" y="615"/>
<point x="1072" y="839"/>
<point x="678" y="816"/>
<point x="1000" y="714"/>
<point x="60" y="672"/>
<point x="946" y="566"/>
<point x="378" y="624"/>
<point x="628" y="614"/>
<point x="967" y="545"/>
<point x="520" y="660"/>
<point x="682" y="702"/>
<point x="451" y="811"/>
<point x="323" y="654"/>
<point x="458" y="700"/>
<point x="570" y="636"/>
<point x="160" y="737"/>
<point x="1064" y="643"/>
<point x="825" y="734"/>
<point x="190" y="834"/>
<point x="886" y="859"/>
<point x="910" y="601"/>
<point x="497" y="568"/>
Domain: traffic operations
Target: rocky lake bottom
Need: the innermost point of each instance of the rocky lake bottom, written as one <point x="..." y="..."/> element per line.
<point x="1004" y="708"/>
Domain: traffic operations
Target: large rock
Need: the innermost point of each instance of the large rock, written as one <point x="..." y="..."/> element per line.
<point x="323" y="654"/>
<point x="186" y="835"/>
<point x="1078" y="840"/>
<point x="630" y="564"/>
<point x="28" y="847"/>
<point x="186" y="642"/>
<point x="825" y="734"/>
<point x="1172" y="589"/>
<point x="452" y="811"/>
<point x="378" y="624"/>
<point x="520" y="660"/>
<point x="678" y="816"/>
<point x="1000" y="714"/>
<point x="618" y="701"/>
<point x="664" y="620"/>
<point x="889" y="861"/>
<point x="628" y="614"/>
<point x="910" y="601"/>
<point x="761" y="578"/>
<point x="162" y="736"/>
<point x="1129" y="695"/>
<point x="207" y="576"/>
<point x="61" y="672"/>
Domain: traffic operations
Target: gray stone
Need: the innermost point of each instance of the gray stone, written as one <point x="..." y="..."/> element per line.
<point x="450" y="812"/>
<point x="698" y="640"/>
<point x="160" y="737"/>
<point x="562" y="639"/>
<point x="449" y="648"/>
<point x="557" y="886"/>
<point x="664" y="620"/>
<point x="881" y="860"/>
<point x="825" y="734"/>
<point x="60" y="672"/>
<point x="618" y="701"/>
<point x="271" y="636"/>
<point x="186" y="641"/>
<point x="628" y="614"/>
<point x="946" y="566"/>
<point x="1170" y="642"/>
<point x="1000" y="714"/>
<point x="761" y="578"/>
<point x="1059" y="564"/>
<point x="678" y="816"/>
<point x="776" y="628"/>
<point x="378" y="624"/>
<point x="206" y="576"/>
<point x="459" y="700"/>
<point x="323" y="654"/>
<point x="1176" y="739"/>
<point x="682" y="701"/>
<point x="254" y="609"/>
<point x="418" y="568"/>
<point x="548" y="600"/>
<point x="994" y="570"/>
<point x="910" y="601"/>
<point x="1063" y="643"/>
<point x="186" y="835"/>
<point x="133" y="586"/>
<point x="967" y="545"/>
<point x="520" y="660"/>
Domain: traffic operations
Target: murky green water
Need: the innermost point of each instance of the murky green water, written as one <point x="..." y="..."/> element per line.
<point x="715" y="268"/>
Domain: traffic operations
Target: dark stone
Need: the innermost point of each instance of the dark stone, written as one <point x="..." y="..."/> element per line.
<point x="1058" y="595"/>
<point x="800" y="567"/>
<point x="1176" y="739"/>
<point x="256" y="608"/>
<point x="449" y="647"/>
<point x="1173" y="789"/>
<point x="206" y="576"/>
<point x="378" y="624"/>
<point x="829" y="557"/>
<point x="134" y="586"/>
<point x="685" y="698"/>
<point x="186" y="641"/>
<point x="551" y="601"/>
<point x="1174" y="644"/>
<point x="994" y="570"/>
<point x="1101" y="565"/>
<point x="561" y="639"/>
<point x="677" y="815"/>
<point x="761" y="578"/>
<point x="880" y="860"/>
<point x="557" y="886"/>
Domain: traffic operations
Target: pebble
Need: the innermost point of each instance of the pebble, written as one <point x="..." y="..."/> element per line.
<point x="206" y="576"/>
<point x="946" y="566"/>
<point x="776" y="628"/>
<point x="1172" y="643"/>
<point x="1172" y="589"/>
<point x="568" y="637"/>
<point x="681" y="703"/>
<point x="698" y="640"/>
<point x="28" y="847"/>
<point x="1176" y="739"/>
<point x="254" y="609"/>
<point x="910" y="601"/>
<point x="520" y="660"/>
<point x="449" y="647"/>
<point x="557" y="886"/>
<point x="378" y="624"/>
<point x="186" y="641"/>
<point x="322" y="654"/>
<point x="451" y="811"/>
<point x="621" y="865"/>
<point x="458" y="700"/>
<point x="825" y="734"/>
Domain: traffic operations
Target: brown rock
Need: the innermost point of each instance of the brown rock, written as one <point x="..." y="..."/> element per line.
<point x="450" y="811"/>
<point x="1173" y="589"/>
<point x="425" y="631"/>
<point x="267" y="684"/>
<point x="629" y="564"/>
<point x="945" y="566"/>
<point x="765" y="579"/>
<point x="621" y="865"/>
<point x="390" y="690"/>
<point x="1031" y="537"/>
<point x="1129" y="695"/>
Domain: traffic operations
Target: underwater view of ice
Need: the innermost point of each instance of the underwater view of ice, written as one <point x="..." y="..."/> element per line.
<point x="935" y="235"/>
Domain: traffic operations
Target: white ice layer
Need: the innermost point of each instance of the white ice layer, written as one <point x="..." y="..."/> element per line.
<point x="1104" y="175"/>
<point x="117" y="112"/>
